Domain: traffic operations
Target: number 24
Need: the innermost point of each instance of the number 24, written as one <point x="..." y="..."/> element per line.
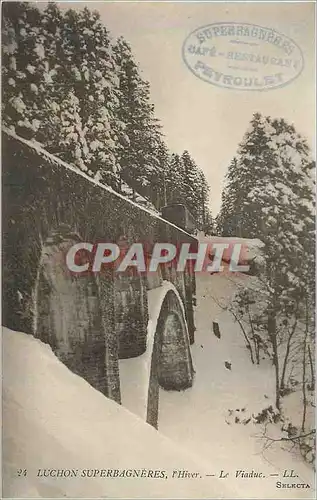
<point x="22" y="472"/>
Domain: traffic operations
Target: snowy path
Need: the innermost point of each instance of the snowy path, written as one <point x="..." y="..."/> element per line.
<point x="198" y="418"/>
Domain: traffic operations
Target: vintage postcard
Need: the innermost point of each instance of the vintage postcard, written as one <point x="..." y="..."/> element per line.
<point x="158" y="250"/>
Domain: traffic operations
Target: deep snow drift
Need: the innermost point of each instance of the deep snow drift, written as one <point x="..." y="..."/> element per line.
<point x="54" y="419"/>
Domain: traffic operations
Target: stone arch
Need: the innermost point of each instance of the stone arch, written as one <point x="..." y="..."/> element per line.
<point x="140" y="377"/>
<point x="171" y="362"/>
<point x="131" y="314"/>
<point x="69" y="315"/>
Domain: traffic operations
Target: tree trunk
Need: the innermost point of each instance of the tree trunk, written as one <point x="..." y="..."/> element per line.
<point x="164" y="190"/>
<point x="304" y="370"/>
<point x="245" y="336"/>
<point x="312" y="372"/>
<point x="271" y="326"/>
<point x="254" y="338"/>
<point x="288" y="348"/>
<point x="304" y="385"/>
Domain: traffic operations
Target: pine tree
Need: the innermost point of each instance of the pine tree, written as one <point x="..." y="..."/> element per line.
<point x="204" y="215"/>
<point x="89" y="66"/>
<point x="69" y="87"/>
<point x="158" y="194"/>
<point x="60" y="85"/>
<point x="271" y="171"/>
<point x="191" y="184"/>
<point x="137" y="153"/>
<point x="270" y="195"/>
<point x="23" y="69"/>
<point x="186" y="184"/>
<point x="175" y="180"/>
<point x="229" y="219"/>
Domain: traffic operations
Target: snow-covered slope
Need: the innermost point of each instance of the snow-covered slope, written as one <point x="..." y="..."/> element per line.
<point x="203" y="418"/>
<point x="54" y="419"/>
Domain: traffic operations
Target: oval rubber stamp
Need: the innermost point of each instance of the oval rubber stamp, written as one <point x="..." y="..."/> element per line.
<point x="242" y="56"/>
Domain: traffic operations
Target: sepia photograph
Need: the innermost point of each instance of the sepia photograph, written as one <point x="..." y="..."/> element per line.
<point x="158" y="249"/>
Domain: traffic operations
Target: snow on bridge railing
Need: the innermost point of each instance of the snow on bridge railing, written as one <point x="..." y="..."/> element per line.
<point x="41" y="151"/>
<point x="250" y="253"/>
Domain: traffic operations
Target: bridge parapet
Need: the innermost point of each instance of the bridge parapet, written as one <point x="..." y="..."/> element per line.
<point x="49" y="205"/>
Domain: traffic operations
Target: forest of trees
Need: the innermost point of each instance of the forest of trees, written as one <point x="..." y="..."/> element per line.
<point x="270" y="195"/>
<point x="69" y="86"/>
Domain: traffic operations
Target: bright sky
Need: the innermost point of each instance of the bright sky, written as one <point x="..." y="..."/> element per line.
<point x="207" y="120"/>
